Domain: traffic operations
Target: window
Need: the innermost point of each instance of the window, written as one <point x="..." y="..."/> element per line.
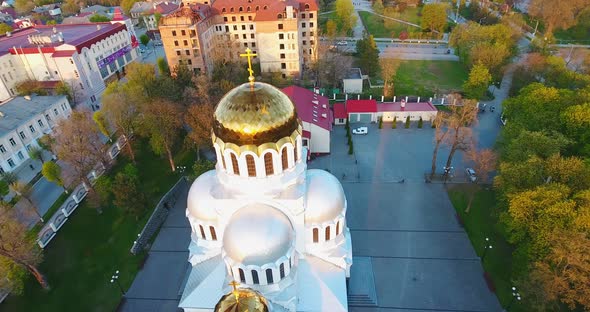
<point x="242" y="276"/>
<point x="284" y="158"/>
<point x="202" y="231"/>
<point x="233" y="18"/>
<point x="235" y="27"/>
<point x="302" y="25"/>
<point x="282" y="46"/>
<point x="280" y="26"/>
<point x="310" y="15"/>
<point x="310" y="25"/>
<point x="240" y="9"/>
<point x="282" y="55"/>
<point x="225" y="18"/>
<point x="11" y="163"/>
<point x="250" y="18"/>
<point x="295" y="158"/>
<point x="242" y="18"/>
<point x="327" y="233"/>
<point x="174" y="33"/>
<point x="282" y="270"/>
<point x="244" y="36"/>
<point x="268" y="164"/>
<point x="283" y="65"/>
<point x="251" y="36"/>
<point x="47" y="116"/>
<point x="175" y="43"/>
<point x="246" y="44"/>
<point x="250" y="163"/>
<point x="231" y="9"/>
<point x="185" y="42"/>
<point x="281" y="36"/>
<point x="187" y="52"/>
<point x="255" y="280"/>
<point x="311" y="33"/>
<point x="177" y="52"/>
<point x="190" y="62"/>
<point x="32" y="128"/>
<point x="302" y="15"/>
<point x="269" y="278"/>
<point x="303" y="34"/>
<point x="315" y="235"/>
<point x="183" y="32"/>
<point x="21" y="156"/>
<point x="223" y="10"/>
<point x="304" y="42"/>
<point x="2" y="170"/>
<point x="254" y="46"/>
<point x="22" y="135"/>
<point x="234" y="163"/>
<point x="55" y="111"/>
<point x="213" y="235"/>
<point x="337" y="227"/>
<point x="2" y="148"/>
<point x="236" y="36"/>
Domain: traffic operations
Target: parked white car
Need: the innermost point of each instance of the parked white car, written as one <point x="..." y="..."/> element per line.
<point x="342" y="43"/>
<point x="471" y="174"/>
<point x="360" y="130"/>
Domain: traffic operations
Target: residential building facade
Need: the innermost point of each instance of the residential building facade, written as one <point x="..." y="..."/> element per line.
<point x="23" y="120"/>
<point x="283" y="34"/>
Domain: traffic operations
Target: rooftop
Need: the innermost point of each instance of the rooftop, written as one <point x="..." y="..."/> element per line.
<point x="340" y="111"/>
<point x="311" y="107"/>
<point x="410" y="107"/>
<point x="19" y="110"/>
<point x="268" y="9"/>
<point x="361" y="106"/>
<point x="353" y="73"/>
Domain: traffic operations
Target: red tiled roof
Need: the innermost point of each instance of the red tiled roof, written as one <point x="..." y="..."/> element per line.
<point x="85" y="14"/>
<point x="66" y="53"/>
<point x="273" y="7"/>
<point x="163" y="8"/>
<point x="361" y="106"/>
<point x="410" y="107"/>
<point x="311" y="107"/>
<point x="340" y="111"/>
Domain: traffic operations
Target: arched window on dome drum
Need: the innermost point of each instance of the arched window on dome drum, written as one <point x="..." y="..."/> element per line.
<point x="282" y="270"/>
<point x="328" y="233"/>
<point x="242" y="276"/>
<point x="315" y="235"/>
<point x="202" y="231"/>
<point x="295" y="152"/>
<point x="251" y="164"/>
<point x="234" y="163"/>
<point x="268" y="164"/>
<point x="255" y="277"/>
<point x="337" y="227"/>
<point x="269" y="279"/>
<point x="223" y="163"/>
<point x="284" y="158"/>
<point x="212" y="230"/>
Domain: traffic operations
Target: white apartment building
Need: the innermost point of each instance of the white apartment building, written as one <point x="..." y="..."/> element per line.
<point x="23" y="120"/>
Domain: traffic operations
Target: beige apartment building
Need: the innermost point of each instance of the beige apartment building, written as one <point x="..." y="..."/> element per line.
<point x="283" y="34"/>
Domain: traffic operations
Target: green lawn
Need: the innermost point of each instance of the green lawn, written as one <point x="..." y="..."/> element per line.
<point x="379" y="28"/>
<point x="482" y="222"/>
<point x="90" y="247"/>
<point x="576" y="34"/>
<point x="425" y="78"/>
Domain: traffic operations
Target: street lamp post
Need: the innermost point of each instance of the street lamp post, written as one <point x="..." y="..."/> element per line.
<point x="485" y="249"/>
<point x="115" y="280"/>
<point x="515" y="297"/>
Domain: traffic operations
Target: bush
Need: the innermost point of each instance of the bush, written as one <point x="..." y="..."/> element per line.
<point x="380" y="122"/>
<point x="394" y="125"/>
<point x="407" y="122"/>
<point x="420" y="122"/>
<point x="350" y="149"/>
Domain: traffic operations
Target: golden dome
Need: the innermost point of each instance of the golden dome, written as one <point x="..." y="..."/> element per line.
<point x="242" y="300"/>
<point x="254" y="115"/>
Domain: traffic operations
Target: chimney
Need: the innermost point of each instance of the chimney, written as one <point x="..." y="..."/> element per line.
<point x="8" y="34"/>
<point x="54" y="30"/>
<point x="403" y="104"/>
<point x="97" y="26"/>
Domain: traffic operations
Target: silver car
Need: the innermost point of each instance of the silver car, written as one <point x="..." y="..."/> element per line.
<point x="471" y="174"/>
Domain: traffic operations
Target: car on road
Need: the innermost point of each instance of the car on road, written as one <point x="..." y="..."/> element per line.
<point x="471" y="174"/>
<point x="157" y="43"/>
<point x="360" y="130"/>
<point x="342" y="43"/>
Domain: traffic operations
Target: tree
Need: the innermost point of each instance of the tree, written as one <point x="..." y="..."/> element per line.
<point x="101" y="194"/>
<point x="460" y="119"/>
<point x="144" y="39"/>
<point x="102" y="123"/>
<point x="434" y="17"/>
<point x="420" y="122"/>
<point x="25" y="190"/>
<point x="331" y="29"/>
<point x="163" y="67"/>
<point x="97" y="18"/>
<point x="199" y="118"/>
<point x="46" y="142"/>
<point x="389" y="67"/>
<point x="28" y="87"/>
<point x="9" y="178"/>
<point x="394" y="124"/>
<point x="407" y="122"/>
<point x="201" y="166"/>
<point x="380" y="122"/>
<point x="52" y="172"/>
<point x="70" y="7"/>
<point x="441" y="130"/>
<point x="484" y="162"/>
<point x="478" y="82"/>
<point x="345" y="15"/>
<point x="557" y="14"/>
<point x="18" y="251"/>
<point x="77" y="143"/>
<point x="122" y="111"/>
<point x="4" y="28"/>
<point x="162" y="121"/>
<point x="126" y="5"/>
<point x="368" y="55"/>
<point x="36" y="153"/>
<point x="23" y="7"/>
<point x="127" y="193"/>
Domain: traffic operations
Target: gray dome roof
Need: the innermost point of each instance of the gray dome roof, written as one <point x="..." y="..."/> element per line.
<point x="325" y="198"/>
<point x="258" y="234"/>
<point x="199" y="193"/>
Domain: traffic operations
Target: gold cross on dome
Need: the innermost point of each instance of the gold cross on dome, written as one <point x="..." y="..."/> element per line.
<point x="249" y="55"/>
<point x="234" y="285"/>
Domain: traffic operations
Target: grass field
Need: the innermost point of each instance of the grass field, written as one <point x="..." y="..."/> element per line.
<point x="88" y="249"/>
<point x="379" y="28"/>
<point x="425" y="78"/>
<point x="481" y="222"/>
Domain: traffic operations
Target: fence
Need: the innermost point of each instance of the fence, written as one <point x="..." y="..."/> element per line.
<point x="59" y="218"/>
<point x="159" y="215"/>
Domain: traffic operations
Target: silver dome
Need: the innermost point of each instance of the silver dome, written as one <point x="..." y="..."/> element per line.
<point x="199" y="193"/>
<point x="258" y="234"/>
<point x="325" y="197"/>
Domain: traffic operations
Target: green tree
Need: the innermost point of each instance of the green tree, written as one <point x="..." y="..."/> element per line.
<point x="19" y="252"/>
<point x="121" y="109"/>
<point x="127" y="193"/>
<point x="97" y="18"/>
<point x="345" y="16"/>
<point x="9" y="178"/>
<point x="28" y="87"/>
<point x="557" y="14"/>
<point x="162" y="122"/>
<point x="126" y="5"/>
<point x="331" y="29"/>
<point x="4" y="28"/>
<point x="368" y="55"/>
<point x="62" y="88"/>
<point x="46" y="142"/>
<point x="380" y="122"/>
<point x="201" y="166"/>
<point x="420" y="122"/>
<point x="199" y="118"/>
<point x="52" y="172"/>
<point x="144" y="39"/>
<point x="434" y="17"/>
<point x="163" y="66"/>
<point x="478" y="82"/>
<point x="70" y="7"/>
<point x="36" y="153"/>
<point x="378" y="6"/>
<point x="389" y="67"/>
<point x="102" y="123"/>
<point x="394" y="124"/>
<point x="23" y="7"/>
<point x="407" y="122"/>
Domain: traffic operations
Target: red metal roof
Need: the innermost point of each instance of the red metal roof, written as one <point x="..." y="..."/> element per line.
<point x="311" y="107"/>
<point x="340" y="111"/>
<point x="361" y="106"/>
<point x="273" y="7"/>
<point x="67" y="53"/>
<point x="410" y="107"/>
<point x="306" y="134"/>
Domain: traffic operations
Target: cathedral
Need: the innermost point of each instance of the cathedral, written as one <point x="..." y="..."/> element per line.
<point x="267" y="234"/>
